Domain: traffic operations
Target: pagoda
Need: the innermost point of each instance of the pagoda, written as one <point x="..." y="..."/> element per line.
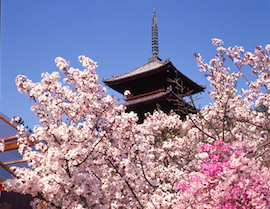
<point x="155" y="85"/>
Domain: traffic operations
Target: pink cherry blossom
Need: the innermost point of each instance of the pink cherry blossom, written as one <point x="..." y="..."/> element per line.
<point x="90" y="153"/>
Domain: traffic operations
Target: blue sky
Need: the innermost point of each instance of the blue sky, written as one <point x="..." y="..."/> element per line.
<point x="117" y="35"/>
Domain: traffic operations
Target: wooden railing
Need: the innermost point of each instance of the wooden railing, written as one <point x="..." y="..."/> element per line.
<point x="130" y="97"/>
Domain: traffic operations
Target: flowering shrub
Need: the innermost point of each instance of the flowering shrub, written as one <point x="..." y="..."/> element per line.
<point x="227" y="179"/>
<point x="233" y="133"/>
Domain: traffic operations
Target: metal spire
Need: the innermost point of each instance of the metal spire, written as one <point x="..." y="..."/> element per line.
<point x="154" y="35"/>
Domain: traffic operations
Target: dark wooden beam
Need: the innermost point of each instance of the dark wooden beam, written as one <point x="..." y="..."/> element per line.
<point x="9" y="139"/>
<point x="15" y="145"/>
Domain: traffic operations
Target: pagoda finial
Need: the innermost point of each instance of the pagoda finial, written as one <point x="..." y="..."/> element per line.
<point x="154" y="35"/>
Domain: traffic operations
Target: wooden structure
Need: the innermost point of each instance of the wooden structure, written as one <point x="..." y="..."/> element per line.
<point x="10" y="156"/>
<point x="155" y="84"/>
<point x="10" y="141"/>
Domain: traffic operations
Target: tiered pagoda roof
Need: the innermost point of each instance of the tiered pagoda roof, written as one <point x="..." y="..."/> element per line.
<point x="151" y="74"/>
<point x="150" y="86"/>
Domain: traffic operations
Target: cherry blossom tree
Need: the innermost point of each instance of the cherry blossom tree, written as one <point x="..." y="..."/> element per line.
<point x="233" y="133"/>
<point x="89" y="153"/>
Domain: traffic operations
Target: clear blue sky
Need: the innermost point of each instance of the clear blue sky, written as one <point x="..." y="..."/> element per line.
<point x="117" y="35"/>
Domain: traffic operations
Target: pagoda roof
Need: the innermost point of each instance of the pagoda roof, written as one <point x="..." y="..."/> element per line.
<point x="152" y="97"/>
<point x="181" y="106"/>
<point x="142" y="100"/>
<point x="151" y="65"/>
<point x="154" y="65"/>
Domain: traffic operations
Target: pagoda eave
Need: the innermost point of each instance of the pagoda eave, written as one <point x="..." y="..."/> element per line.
<point x="164" y="71"/>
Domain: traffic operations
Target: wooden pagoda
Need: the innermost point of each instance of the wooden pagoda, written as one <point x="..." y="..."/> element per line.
<point x="155" y="85"/>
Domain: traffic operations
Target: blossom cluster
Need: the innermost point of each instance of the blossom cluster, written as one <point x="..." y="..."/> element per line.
<point x="227" y="179"/>
<point x="90" y="153"/>
<point x="233" y="133"/>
